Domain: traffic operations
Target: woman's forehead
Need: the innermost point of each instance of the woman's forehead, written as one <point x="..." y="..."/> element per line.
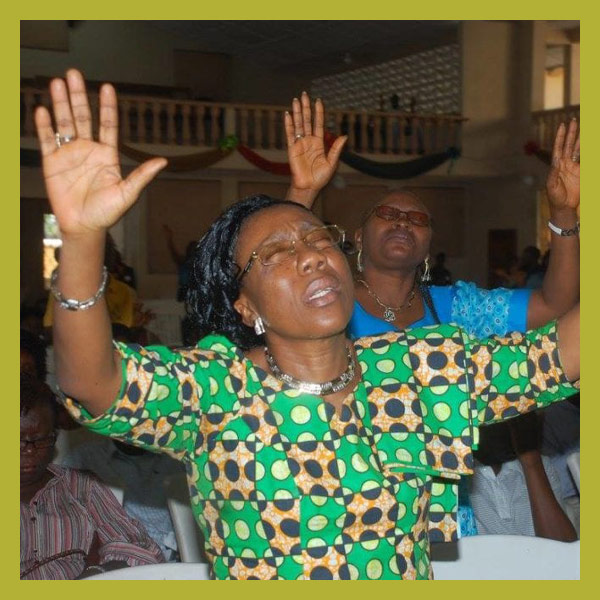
<point x="276" y="221"/>
<point x="403" y="200"/>
<point x="38" y="418"/>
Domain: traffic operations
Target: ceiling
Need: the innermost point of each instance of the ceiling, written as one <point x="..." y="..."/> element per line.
<point x="336" y="45"/>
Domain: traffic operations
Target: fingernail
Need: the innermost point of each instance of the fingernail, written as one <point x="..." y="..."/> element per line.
<point x="304" y="93"/>
<point x="287" y="112"/>
<point x="318" y="100"/>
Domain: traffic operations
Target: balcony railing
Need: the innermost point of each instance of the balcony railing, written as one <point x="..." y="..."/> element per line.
<point x="162" y="121"/>
<point x="546" y="122"/>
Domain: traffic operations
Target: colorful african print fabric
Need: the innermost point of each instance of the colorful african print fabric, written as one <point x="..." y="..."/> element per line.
<point x="480" y="313"/>
<point x="283" y="487"/>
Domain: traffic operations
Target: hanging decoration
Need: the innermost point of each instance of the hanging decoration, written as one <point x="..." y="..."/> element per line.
<point x="276" y="168"/>
<point x="396" y="170"/>
<point x="202" y="160"/>
<point x="185" y="162"/>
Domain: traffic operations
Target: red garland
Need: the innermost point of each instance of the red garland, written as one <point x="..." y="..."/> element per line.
<point x="532" y="148"/>
<point x="277" y="168"/>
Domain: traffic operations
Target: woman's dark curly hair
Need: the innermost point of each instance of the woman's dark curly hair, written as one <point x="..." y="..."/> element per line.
<point x="214" y="286"/>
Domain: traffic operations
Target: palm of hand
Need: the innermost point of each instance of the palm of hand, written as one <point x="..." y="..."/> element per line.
<point x="562" y="185"/>
<point x="83" y="180"/>
<point x="308" y="163"/>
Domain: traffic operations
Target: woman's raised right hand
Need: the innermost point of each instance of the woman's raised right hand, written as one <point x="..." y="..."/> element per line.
<point x="83" y="176"/>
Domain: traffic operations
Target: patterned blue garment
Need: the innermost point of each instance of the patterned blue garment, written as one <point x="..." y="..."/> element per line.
<point x="482" y="313"/>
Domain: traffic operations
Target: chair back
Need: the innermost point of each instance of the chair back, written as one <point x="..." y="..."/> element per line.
<point x="573" y="464"/>
<point x="118" y="492"/>
<point x="189" y="538"/>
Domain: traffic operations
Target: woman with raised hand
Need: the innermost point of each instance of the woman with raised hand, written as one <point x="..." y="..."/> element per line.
<point x="393" y="241"/>
<point x="308" y="456"/>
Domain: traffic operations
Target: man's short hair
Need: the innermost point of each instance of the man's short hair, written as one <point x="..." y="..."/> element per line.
<point x="36" y="393"/>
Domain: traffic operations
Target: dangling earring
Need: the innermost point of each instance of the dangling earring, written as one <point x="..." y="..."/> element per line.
<point x="259" y="326"/>
<point x="426" y="275"/>
<point x="359" y="265"/>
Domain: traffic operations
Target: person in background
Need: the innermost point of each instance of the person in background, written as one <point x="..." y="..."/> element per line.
<point x="515" y="490"/>
<point x="72" y="526"/>
<point x="189" y="333"/>
<point x="530" y="265"/>
<point x="140" y="474"/>
<point x="560" y="438"/>
<point x="393" y="242"/>
<point x="181" y="260"/>
<point x="285" y="425"/>
<point x="34" y="362"/>
<point x="510" y="276"/>
<point x="33" y="355"/>
<point x="440" y="275"/>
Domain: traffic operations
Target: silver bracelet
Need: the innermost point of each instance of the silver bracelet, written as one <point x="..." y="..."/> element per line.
<point x="71" y="303"/>
<point x="564" y="232"/>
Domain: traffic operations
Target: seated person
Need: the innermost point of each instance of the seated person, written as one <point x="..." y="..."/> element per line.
<point x="514" y="490"/>
<point x="141" y="474"/>
<point x="560" y="438"/>
<point x="72" y="526"/>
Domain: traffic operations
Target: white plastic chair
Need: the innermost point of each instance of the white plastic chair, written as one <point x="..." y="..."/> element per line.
<point x="189" y="538"/>
<point x="118" y="493"/>
<point x="574" y="468"/>
<point x="512" y="557"/>
<point x="163" y="571"/>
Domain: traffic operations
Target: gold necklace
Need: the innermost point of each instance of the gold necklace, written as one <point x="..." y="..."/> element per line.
<point x="389" y="312"/>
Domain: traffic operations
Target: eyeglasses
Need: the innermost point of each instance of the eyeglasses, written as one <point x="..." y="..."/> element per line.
<point x="391" y="213"/>
<point x="279" y="252"/>
<point x="39" y="444"/>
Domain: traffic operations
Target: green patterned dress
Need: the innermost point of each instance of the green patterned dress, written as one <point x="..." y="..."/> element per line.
<point x="283" y="487"/>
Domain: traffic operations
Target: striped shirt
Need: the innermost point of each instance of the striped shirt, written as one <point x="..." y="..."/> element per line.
<point x="65" y="514"/>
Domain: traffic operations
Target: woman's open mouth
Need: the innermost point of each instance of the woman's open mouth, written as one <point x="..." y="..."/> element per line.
<point x="322" y="291"/>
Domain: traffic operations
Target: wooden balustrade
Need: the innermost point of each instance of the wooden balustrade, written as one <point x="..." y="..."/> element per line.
<point x="546" y="122"/>
<point x="160" y="121"/>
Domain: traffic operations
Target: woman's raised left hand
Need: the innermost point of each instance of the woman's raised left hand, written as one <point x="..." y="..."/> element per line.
<point x="311" y="167"/>
<point x="562" y="183"/>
